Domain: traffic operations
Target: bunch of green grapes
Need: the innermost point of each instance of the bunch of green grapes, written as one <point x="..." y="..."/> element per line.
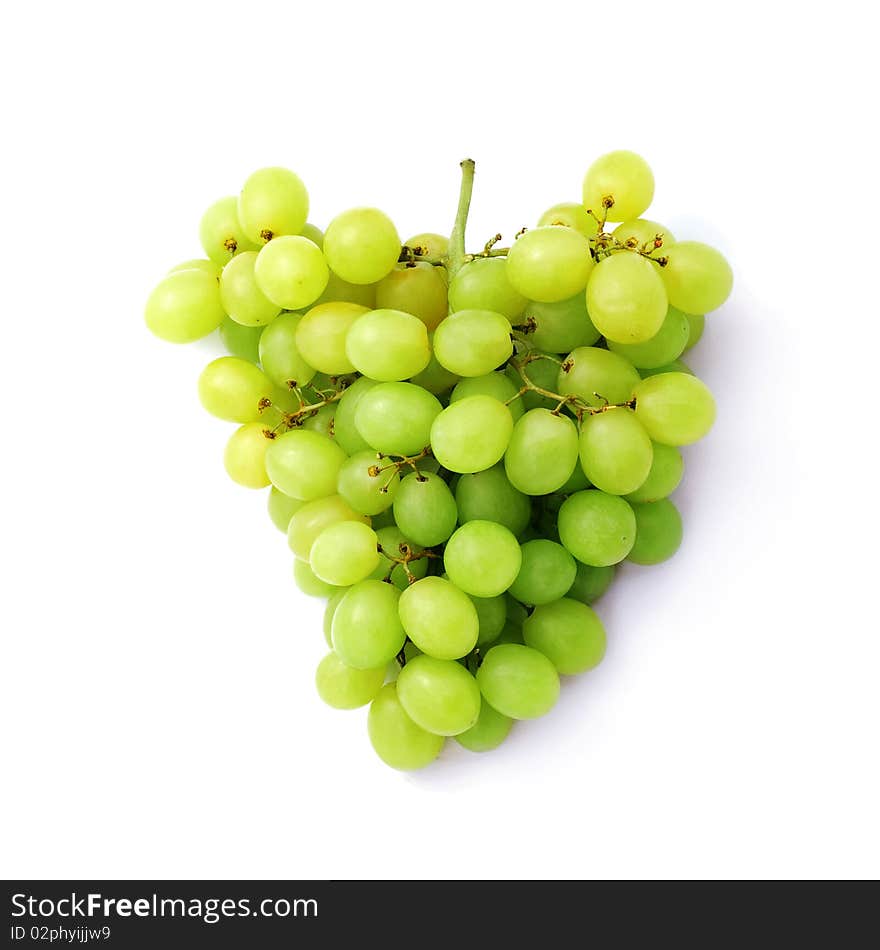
<point x="461" y="448"/>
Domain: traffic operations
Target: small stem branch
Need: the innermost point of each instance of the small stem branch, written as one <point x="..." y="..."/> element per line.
<point x="456" y="240"/>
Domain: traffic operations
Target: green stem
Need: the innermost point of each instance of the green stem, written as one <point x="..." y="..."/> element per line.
<point x="457" y="255"/>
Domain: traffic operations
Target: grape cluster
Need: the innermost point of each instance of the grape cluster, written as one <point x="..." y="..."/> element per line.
<point x="460" y="447"/>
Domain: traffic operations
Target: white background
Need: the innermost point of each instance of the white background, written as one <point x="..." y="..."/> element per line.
<point x="158" y="709"/>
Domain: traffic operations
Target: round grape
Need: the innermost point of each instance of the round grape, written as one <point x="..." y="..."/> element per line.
<point x="658" y="532"/>
<point x="482" y="558"/>
<point x="542" y="452"/>
<point x="624" y="177"/>
<point x="615" y="451"/>
<point x="184" y="306"/>
<point x="304" y="464"/>
<point x="397" y="740"/>
<point x="439" y="618"/>
<point x="518" y="681"/>
<point x="361" y="245"/>
<point x="568" y="633"/>
<point x="439" y="695"/>
<point x="674" y="408"/>
<point x="366" y="629"/>
<point x="549" y="264"/>
<point x="291" y="271"/>
<point x="472" y="434"/>
<point x="322" y="333"/>
<point x="473" y="342"/>
<point x="388" y="345"/>
<point x="597" y="528"/>
<point x="626" y="298"/>
<point x="273" y="201"/>
<point x="344" y="687"/>
<point x="546" y="573"/>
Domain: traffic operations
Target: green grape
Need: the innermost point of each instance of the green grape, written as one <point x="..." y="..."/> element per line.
<point x="291" y="271"/>
<point x="343" y="687"/>
<point x="282" y="508"/>
<point x="569" y="214"/>
<point x="366" y="629"/>
<point x="497" y="385"/>
<point x="597" y="528"/>
<point x="330" y="611"/>
<point x="489" y="496"/>
<point x="309" y="582"/>
<point x="388" y="345"/>
<point x="562" y="326"/>
<point x="473" y="342"/>
<point x="231" y="388"/>
<point x="626" y="298"/>
<point x="512" y="633"/>
<point x="591" y="582"/>
<point x="322" y="333"/>
<point x="676" y="366"/>
<point x="434" y="377"/>
<point x="472" y="434"/>
<point x="390" y="540"/>
<point x="273" y="201"/>
<point x="488" y="732"/>
<point x="424" y="509"/>
<point x="221" y="233"/>
<point x="240" y="294"/>
<point x="624" y="177"/>
<point x="397" y="740"/>
<point x="577" y="481"/>
<point x="491" y="615"/>
<point x="546" y="574"/>
<point x="549" y="264"/>
<point x="644" y="232"/>
<point x="313" y="233"/>
<point x="596" y="376"/>
<point x="304" y="464"/>
<point x="697" y="277"/>
<point x="483" y="284"/>
<point x="184" y="306"/>
<point x="344" y="553"/>
<point x="366" y="488"/>
<point x="199" y="263"/>
<point x="240" y="341"/>
<point x="439" y="695"/>
<point x="667" y="468"/>
<point x="482" y="558"/>
<point x="344" y="429"/>
<point x="310" y="520"/>
<point x="385" y="519"/>
<point x="439" y="618"/>
<point x="418" y="289"/>
<point x="341" y="291"/>
<point x="428" y="245"/>
<point x="321" y="420"/>
<point x="542" y="453"/>
<point x="396" y="418"/>
<point x="568" y="633"/>
<point x="541" y="372"/>
<point x="615" y="451"/>
<point x="518" y="681"/>
<point x="280" y="357"/>
<point x="658" y="532"/>
<point x="666" y="345"/>
<point x="361" y="245"/>
<point x="696" y="325"/>
<point x="245" y="455"/>
<point x="674" y="408"/>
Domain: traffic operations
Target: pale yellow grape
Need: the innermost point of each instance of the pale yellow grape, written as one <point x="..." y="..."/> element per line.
<point x="245" y="455"/>
<point x="185" y="306"/>
<point x="626" y="298"/>
<point x="397" y="740"/>
<point x="231" y="388"/>
<point x="624" y="176"/>
<point x="549" y="264"/>
<point x="568" y="214"/>
<point x="439" y="618"/>
<point x="645" y="232"/>
<point x="341" y="291"/>
<point x="273" y="201"/>
<point x="345" y="553"/>
<point x="697" y="277"/>
<point x="306" y="581"/>
<point x="304" y="464"/>
<point x="418" y="289"/>
<point x="241" y="296"/>
<point x="291" y="271"/>
<point x="282" y="508"/>
<point x="280" y="357"/>
<point x="472" y="434"/>
<point x="388" y="345"/>
<point x="361" y="245"/>
<point x="433" y="247"/>
<point x="322" y="333"/>
<point x="314" y="516"/>
<point x="615" y="451"/>
<point x="344" y="687"/>
<point x="674" y="408"/>
<point x="198" y="263"/>
<point x="473" y="342"/>
<point x="483" y="284"/>
<point x="221" y="233"/>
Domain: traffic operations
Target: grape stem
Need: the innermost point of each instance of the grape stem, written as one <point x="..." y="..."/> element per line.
<point x="457" y="256"/>
<point x="406" y="557"/>
<point x="292" y="420"/>
<point x="398" y="462"/>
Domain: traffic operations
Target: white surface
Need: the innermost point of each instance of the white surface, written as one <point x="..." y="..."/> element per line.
<point x="158" y="707"/>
